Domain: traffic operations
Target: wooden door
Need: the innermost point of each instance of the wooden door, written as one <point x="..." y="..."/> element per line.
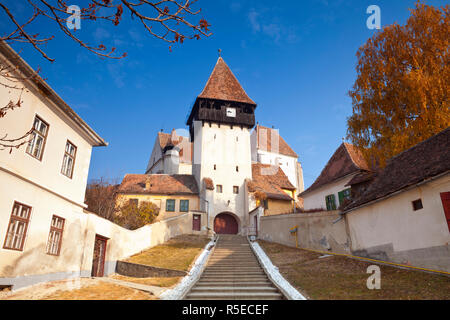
<point x="225" y="224"/>
<point x="256" y="225"/>
<point x="445" y="197"/>
<point x="196" y="222"/>
<point x="98" y="261"/>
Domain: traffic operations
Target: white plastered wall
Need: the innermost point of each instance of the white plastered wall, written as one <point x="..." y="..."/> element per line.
<point x="226" y="148"/>
<point x="316" y="198"/>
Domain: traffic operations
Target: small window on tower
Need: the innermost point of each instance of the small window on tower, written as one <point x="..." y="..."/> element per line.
<point x="214" y="167"/>
<point x="237" y="168"/>
<point x="417" y="204"/>
<point x="219" y="188"/>
<point x="235" y="189"/>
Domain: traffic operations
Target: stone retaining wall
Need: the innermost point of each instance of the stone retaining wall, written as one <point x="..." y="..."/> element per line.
<point x="321" y="231"/>
<point x="143" y="271"/>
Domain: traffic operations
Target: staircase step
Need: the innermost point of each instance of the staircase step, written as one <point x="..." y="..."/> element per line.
<point x="203" y="283"/>
<point x="233" y="273"/>
<point x="234" y="278"/>
<point x="234" y="296"/>
<point x="235" y="289"/>
<point x="231" y="267"/>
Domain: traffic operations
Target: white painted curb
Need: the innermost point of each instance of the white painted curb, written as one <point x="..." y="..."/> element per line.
<point x="274" y="274"/>
<point x="191" y="278"/>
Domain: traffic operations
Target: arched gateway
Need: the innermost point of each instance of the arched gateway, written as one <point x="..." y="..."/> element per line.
<point x="225" y="223"/>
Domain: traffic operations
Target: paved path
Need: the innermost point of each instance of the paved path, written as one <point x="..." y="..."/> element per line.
<point x="156" y="291"/>
<point x="233" y="273"/>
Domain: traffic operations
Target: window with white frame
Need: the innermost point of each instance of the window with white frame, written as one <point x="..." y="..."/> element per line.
<point x="69" y="159"/>
<point x="38" y="137"/>
<point x="17" y="228"/>
<point x="55" y="236"/>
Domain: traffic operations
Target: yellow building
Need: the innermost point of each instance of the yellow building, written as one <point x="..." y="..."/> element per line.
<point x="173" y="194"/>
<point x="272" y="189"/>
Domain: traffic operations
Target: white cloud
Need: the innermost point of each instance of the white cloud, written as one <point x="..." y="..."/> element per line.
<point x="115" y="71"/>
<point x="253" y="17"/>
<point x="273" y="30"/>
<point x="264" y="21"/>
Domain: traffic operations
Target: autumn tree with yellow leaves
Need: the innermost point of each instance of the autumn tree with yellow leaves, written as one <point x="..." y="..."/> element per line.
<point x="400" y="96"/>
<point x="133" y="216"/>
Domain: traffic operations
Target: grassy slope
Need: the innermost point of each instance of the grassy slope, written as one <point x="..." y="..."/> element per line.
<point x="340" y="277"/>
<point x="177" y="253"/>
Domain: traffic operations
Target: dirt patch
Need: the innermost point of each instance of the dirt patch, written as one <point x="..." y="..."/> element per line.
<point x="101" y="291"/>
<point x="343" y="278"/>
<point x="76" y="289"/>
<point x="165" y="282"/>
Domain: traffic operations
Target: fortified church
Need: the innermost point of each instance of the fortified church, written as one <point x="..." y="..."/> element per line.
<point x="228" y="168"/>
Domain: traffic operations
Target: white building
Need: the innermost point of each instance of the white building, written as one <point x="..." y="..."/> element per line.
<point x="42" y="183"/>
<point x="268" y="147"/>
<point x="220" y="151"/>
<point x="330" y="189"/>
<point x="403" y="213"/>
<point x="171" y="154"/>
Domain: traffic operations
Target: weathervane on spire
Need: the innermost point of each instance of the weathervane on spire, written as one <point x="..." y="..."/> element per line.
<point x="220" y="51"/>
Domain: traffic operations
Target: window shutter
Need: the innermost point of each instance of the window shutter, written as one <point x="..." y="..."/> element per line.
<point x="341" y="197"/>
<point x="331" y="202"/>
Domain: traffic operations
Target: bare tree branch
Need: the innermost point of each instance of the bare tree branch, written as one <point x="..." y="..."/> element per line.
<point x="167" y="20"/>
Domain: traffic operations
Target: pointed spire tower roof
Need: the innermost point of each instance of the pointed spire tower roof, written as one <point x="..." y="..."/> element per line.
<point x="223" y="100"/>
<point x="223" y="85"/>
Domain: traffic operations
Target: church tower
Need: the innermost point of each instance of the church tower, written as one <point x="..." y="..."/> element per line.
<point x="219" y="123"/>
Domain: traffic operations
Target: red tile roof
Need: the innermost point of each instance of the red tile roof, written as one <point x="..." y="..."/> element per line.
<point x="270" y="180"/>
<point x="425" y="160"/>
<point x="264" y="138"/>
<point x="209" y="184"/>
<point x="346" y="159"/>
<point x="223" y="85"/>
<point x="159" y="184"/>
<point x="187" y="148"/>
<point x="362" y="177"/>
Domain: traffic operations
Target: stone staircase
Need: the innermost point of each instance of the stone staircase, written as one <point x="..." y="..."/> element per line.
<point x="233" y="273"/>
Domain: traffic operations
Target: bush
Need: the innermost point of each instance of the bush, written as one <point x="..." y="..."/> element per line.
<point x="132" y="216"/>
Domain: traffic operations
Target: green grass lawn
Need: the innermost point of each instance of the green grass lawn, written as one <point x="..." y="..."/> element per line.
<point x="178" y="253"/>
<point x="343" y="278"/>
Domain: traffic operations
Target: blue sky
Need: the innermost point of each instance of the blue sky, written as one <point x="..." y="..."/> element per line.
<point x="295" y="59"/>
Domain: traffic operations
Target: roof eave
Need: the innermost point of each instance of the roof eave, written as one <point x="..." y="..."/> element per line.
<point x="393" y="193"/>
<point x="39" y="83"/>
